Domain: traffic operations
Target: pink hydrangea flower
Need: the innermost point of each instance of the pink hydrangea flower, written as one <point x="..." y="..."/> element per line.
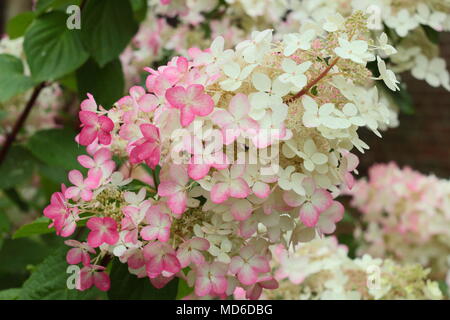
<point x="235" y="121"/>
<point x="329" y="218"/>
<point x="192" y="102"/>
<point x="94" y="126"/>
<point x="190" y="251"/>
<point x="147" y="148"/>
<point x="102" y="160"/>
<point x="312" y="204"/>
<point x="94" y="276"/>
<point x="211" y="279"/>
<point x="79" y="253"/>
<point x="103" y="230"/>
<point x="248" y="264"/>
<point x="158" y="227"/>
<point x="159" y="257"/>
<point x="64" y="218"/>
<point x="83" y="187"/>
<point x="229" y="184"/>
<point x="174" y="188"/>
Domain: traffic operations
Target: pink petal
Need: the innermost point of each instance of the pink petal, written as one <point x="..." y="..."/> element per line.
<point x="293" y="199"/>
<point x="239" y="106"/>
<point x="106" y="124"/>
<point x="102" y="281"/>
<point x="88" y="118"/>
<point x="86" y="161"/>
<point x="321" y="199"/>
<point x="168" y="188"/>
<point x="220" y="192"/>
<point x="149" y="233"/>
<point x="150" y="132"/>
<point x="247" y="275"/>
<point x="261" y="190"/>
<point x="187" y="116"/>
<point x="74" y="256"/>
<point x="241" y="209"/>
<point x="239" y="188"/>
<point x="177" y="203"/>
<point x="87" y="136"/>
<point x="198" y="171"/>
<point x="203" y="286"/>
<point x="309" y="215"/>
<point x="72" y="192"/>
<point x="76" y="177"/>
<point x="176" y="97"/>
<point x="95" y="238"/>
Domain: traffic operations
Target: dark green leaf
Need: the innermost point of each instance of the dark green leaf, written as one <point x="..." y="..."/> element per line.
<point x="51" y="48"/>
<point x="56" y="147"/>
<point x="17" y="26"/>
<point x="5" y="224"/>
<point x="38" y="226"/>
<point x="139" y="9"/>
<point x="19" y="255"/>
<point x="108" y="26"/>
<point x="402" y="99"/>
<point x="10" y="294"/>
<point x="43" y="6"/>
<point x="106" y="84"/>
<point x="49" y="281"/>
<point x="183" y="289"/>
<point x="125" y="286"/>
<point x="12" y="79"/>
<point x="431" y="34"/>
<point x="17" y="167"/>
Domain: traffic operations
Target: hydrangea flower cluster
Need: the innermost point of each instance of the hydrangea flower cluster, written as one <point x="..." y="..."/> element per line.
<point x="43" y="115"/>
<point x="407" y="216"/>
<point x="322" y="270"/>
<point x="406" y="20"/>
<point x="246" y="147"/>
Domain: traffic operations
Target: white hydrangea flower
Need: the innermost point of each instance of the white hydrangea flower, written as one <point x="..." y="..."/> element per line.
<point x="383" y="41"/>
<point x="290" y="180"/>
<point x="435" y="19"/>
<point x="402" y="23"/>
<point x="388" y="76"/>
<point x="235" y="75"/>
<point x="355" y="50"/>
<point x="295" y="41"/>
<point x="270" y="95"/>
<point x="295" y="73"/>
<point x="253" y="50"/>
<point x="333" y="22"/>
<point x="433" y="71"/>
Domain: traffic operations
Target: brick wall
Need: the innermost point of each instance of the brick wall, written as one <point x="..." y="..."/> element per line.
<point x="422" y="140"/>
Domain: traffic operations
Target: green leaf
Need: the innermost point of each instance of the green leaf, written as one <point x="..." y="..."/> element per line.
<point x="51" y="48"/>
<point x="108" y="26"/>
<point x="139" y="9"/>
<point x="49" y="281"/>
<point x="17" y="26"/>
<point x="12" y="79"/>
<point x="431" y="34"/>
<point x="38" y="226"/>
<point x="105" y="83"/>
<point x="10" y="294"/>
<point x="43" y="6"/>
<point x="16" y="256"/>
<point x="125" y="286"/>
<point x="17" y="167"/>
<point x="5" y="224"/>
<point x="183" y="289"/>
<point x="402" y="99"/>
<point x="56" y="147"/>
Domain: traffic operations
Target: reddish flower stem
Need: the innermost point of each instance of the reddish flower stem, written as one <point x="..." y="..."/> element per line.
<point x="20" y="122"/>
<point x="313" y="83"/>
